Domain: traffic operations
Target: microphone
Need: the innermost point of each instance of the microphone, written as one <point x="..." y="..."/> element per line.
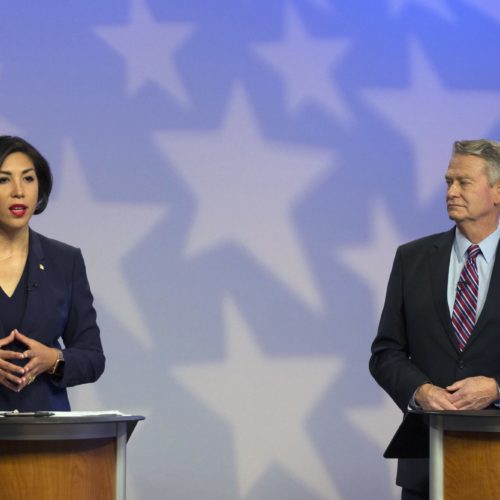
<point x="31" y="286"/>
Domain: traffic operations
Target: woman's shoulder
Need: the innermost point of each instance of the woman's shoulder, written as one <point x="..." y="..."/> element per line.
<point x="51" y="245"/>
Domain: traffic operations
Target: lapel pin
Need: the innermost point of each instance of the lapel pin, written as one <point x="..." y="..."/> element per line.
<point x="42" y="267"/>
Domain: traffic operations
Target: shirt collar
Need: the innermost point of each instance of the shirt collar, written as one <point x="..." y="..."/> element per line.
<point x="488" y="246"/>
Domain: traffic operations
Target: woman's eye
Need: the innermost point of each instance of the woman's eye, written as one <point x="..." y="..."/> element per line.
<point x="29" y="178"/>
<point x="4" y="180"/>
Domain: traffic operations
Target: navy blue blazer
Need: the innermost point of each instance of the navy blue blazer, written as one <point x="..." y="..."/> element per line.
<point x="415" y="342"/>
<point x="59" y="313"/>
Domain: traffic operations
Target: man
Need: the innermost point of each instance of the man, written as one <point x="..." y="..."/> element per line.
<point x="438" y="341"/>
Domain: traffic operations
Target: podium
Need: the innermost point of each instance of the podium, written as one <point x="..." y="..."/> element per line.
<point x="64" y="457"/>
<point x="463" y="449"/>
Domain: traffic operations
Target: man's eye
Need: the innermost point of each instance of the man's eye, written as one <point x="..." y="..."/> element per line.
<point x="4" y="180"/>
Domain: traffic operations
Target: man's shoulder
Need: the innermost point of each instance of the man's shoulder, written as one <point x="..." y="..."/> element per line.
<point x="428" y="242"/>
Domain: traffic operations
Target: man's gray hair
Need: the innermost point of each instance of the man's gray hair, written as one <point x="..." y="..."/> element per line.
<point x="486" y="149"/>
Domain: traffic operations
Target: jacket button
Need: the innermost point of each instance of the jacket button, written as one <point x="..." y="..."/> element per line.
<point x="461" y="364"/>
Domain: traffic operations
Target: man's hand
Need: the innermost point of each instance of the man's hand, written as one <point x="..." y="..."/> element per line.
<point x="432" y="397"/>
<point x="473" y="393"/>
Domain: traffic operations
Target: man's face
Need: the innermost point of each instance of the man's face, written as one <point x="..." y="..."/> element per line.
<point x="469" y="197"/>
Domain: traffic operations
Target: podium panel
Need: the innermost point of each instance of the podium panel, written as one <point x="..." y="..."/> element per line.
<point x="464" y="454"/>
<point x="471" y="464"/>
<point x="61" y="458"/>
<point x="48" y="470"/>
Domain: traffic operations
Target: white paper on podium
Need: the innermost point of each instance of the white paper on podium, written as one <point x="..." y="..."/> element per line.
<point x="70" y="414"/>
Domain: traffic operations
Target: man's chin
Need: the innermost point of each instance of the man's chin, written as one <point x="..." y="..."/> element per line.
<point x="454" y="215"/>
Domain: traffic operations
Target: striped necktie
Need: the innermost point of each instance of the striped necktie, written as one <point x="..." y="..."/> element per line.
<point x="465" y="307"/>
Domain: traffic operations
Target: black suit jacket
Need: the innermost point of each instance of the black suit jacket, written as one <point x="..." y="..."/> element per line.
<point x="415" y="342"/>
<point x="59" y="308"/>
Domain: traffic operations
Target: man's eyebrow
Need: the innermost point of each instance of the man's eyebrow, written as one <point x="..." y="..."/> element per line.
<point x="458" y="177"/>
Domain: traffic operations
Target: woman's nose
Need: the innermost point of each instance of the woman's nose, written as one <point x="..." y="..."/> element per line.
<point x="17" y="189"/>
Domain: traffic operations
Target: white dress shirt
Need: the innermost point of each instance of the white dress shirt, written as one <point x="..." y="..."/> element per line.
<point x="485" y="262"/>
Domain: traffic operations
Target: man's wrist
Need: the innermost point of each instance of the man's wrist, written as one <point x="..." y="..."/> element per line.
<point x="419" y="390"/>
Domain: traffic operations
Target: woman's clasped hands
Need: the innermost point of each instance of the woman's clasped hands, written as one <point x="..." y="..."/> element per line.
<point x="40" y="358"/>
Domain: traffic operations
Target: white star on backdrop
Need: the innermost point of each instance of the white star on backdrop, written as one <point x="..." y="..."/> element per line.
<point x="311" y="81"/>
<point x="246" y="188"/>
<point x="379" y="423"/>
<point x="106" y="232"/>
<point x="440" y="7"/>
<point x="432" y="117"/>
<point x="489" y="7"/>
<point x="149" y="48"/>
<point x="372" y="261"/>
<point x="86" y="397"/>
<point x="266" y="400"/>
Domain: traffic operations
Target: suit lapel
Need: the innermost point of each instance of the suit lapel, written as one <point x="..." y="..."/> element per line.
<point x="36" y="285"/>
<point x="439" y="262"/>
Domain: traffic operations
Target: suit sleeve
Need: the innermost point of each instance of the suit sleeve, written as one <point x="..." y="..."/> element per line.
<point x="390" y="362"/>
<point x="83" y="353"/>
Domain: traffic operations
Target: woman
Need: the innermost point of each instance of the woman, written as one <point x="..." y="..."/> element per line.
<point x="44" y="294"/>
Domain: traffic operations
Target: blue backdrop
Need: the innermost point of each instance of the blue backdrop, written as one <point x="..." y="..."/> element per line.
<point x="238" y="174"/>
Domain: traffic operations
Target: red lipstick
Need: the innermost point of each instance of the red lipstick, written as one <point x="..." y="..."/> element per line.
<point x="18" y="210"/>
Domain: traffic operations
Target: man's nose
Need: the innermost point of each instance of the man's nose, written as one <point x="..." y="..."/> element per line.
<point x="452" y="190"/>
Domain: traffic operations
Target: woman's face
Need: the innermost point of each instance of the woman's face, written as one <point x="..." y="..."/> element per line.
<point x="18" y="191"/>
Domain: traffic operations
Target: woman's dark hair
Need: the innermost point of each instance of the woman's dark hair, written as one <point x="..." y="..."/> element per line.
<point x="11" y="144"/>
